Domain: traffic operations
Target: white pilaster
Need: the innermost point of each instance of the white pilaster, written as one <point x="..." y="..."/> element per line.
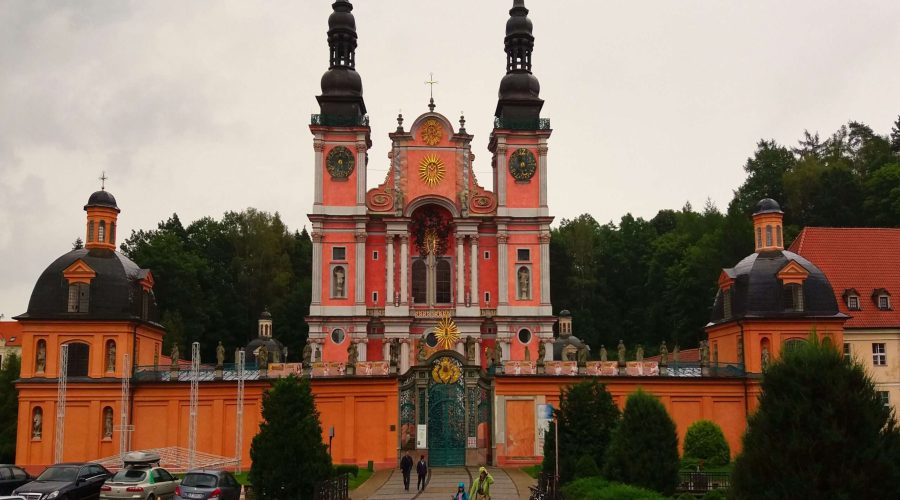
<point x="389" y="299"/>
<point x="502" y="281"/>
<point x="317" y="268"/>
<point x="542" y="165"/>
<point x="548" y="350"/>
<point x="404" y="355"/>
<point x="361" y="173"/>
<point x="460" y="271"/>
<point x="473" y="285"/>
<point x="501" y="174"/>
<point x="361" y="266"/>
<point x="404" y="268"/>
<point x="319" y="147"/>
<point x="545" y="267"/>
<point x="461" y="348"/>
<point x="361" y="349"/>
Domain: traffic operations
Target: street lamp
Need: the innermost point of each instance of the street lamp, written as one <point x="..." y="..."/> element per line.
<point x="556" y="445"/>
<point x="330" y="437"/>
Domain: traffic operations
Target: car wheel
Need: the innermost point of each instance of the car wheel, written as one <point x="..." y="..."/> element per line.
<point x="151" y="497"/>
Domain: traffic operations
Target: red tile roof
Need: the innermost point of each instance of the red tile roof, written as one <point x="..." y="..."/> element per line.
<point x="684" y="356"/>
<point x="12" y="332"/>
<point x="864" y="259"/>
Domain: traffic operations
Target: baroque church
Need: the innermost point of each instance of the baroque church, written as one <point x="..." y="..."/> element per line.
<point x="431" y="327"/>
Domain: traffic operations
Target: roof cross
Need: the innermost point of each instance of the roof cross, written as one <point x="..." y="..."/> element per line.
<point x="431" y="83"/>
<point x="103" y="178"/>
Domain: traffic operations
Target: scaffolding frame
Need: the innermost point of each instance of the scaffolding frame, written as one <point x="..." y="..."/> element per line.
<point x="124" y="427"/>
<point x="59" y="439"/>
<point x="195" y="389"/>
<point x="239" y="422"/>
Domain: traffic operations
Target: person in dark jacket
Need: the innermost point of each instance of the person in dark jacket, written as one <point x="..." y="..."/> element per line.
<point x="406" y="467"/>
<point x="422" y="470"/>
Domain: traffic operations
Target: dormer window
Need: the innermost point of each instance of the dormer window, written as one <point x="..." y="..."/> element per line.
<point x="853" y="303"/>
<point x="792" y="293"/>
<point x="882" y="299"/>
<point x="79" y="297"/>
<point x="726" y="303"/>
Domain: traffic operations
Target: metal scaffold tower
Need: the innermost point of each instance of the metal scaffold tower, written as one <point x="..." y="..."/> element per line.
<point x="61" y="402"/>
<point x="195" y="389"/>
<point x="124" y="428"/>
<point x="239" y="422"/>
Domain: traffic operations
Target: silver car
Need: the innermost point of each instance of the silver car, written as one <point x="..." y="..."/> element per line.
<point x="150" y="483"/>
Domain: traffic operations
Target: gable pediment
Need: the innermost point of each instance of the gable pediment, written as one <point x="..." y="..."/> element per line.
<point x="79" y="272"/>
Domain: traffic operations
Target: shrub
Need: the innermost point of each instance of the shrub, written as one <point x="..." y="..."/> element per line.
<point x="595" y="488"/>
<point x="586" y="467"/>
<point x="714" y="495"/>
<point x="353" y="470"/>
<point x="686" y="496"/>
<point x="820" y="431"/>
<point x="644" y="448"/>
<point x="587" y="416"/>
<point x="704" y="441"/>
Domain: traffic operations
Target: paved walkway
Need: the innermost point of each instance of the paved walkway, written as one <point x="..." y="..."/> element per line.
<point x="442" y="483"/>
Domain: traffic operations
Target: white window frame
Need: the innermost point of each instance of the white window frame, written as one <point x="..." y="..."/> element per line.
<point x="335" y="258"/>
<point x="374" y="254"/>
<point x="527" y="258"/>
<point x="885" y="398"/>
<point x="850" y="305"/>
<point x="887" y="302"/>
<point x="879" y="354"/>
<point x="487" y="255"/>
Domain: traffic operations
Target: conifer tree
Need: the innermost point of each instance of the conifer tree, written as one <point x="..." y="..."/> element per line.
<point x="587" y="417"/>
<point x="9" y="408"/>
<point x="644" y="448"/>
<point x="288" y="454"/>
<point x="820" y="432"/>
<point x="705" y="441"/>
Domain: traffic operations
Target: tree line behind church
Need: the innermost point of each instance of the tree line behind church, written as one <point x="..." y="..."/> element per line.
<point x="642" y="281"/>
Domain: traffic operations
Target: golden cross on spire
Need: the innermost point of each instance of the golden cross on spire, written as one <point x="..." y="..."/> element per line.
<point x="103" y="178"/>
<point x="431" y="82"/>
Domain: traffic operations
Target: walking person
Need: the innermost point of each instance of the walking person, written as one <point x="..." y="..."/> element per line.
<point x="461" y="493"/>
<point x="481" y="486"/>
<point x="406" y="468"/>
<point x="422" y="470"/>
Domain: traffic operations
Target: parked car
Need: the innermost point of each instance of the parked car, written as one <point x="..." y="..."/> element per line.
<point x="11" y="477"/>
<point x="66" y="481"/>
<point x="11" y="498"/>
<point x="204" y="484"/>
<point x="142" y="479"/>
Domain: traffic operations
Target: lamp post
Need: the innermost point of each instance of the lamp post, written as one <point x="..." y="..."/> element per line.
<point x="556" y="445"/>
<point x="330" y="438"/>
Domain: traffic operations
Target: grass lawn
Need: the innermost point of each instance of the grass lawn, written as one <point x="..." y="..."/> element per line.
<point x="243" y="478"/>
<point x="360" y="478"/>
<point x="533" y="470"/>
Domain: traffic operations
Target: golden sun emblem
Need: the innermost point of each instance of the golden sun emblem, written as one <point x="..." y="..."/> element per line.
<point x="446" y="333"/>
<point x="431" y="170"/>
<point x="431" y="132"/>
<point x="446" y="371"/>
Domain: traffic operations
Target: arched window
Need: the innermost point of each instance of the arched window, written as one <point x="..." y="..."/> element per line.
<point x="40" y="356"/>
<point x="792" y="294"/>
<point x="37" y="423"/>
<point x="758" y="237"/>
<point x="726" y="302"/>
<point x="90" y="235"/>
<point x="338" y="282"/>
<point x="101" y="233"/>
<point x="110" y="356"/>
<point x="443" y="285"/>
<point x="523" y="283"/>
<point x="79" y="359"/>
<point x="112" y="233"/>
<point x="768" y="236"/>
<point x="419" y="282"/>
<point x="778" y="235"/>
<point x="792" y="344"/>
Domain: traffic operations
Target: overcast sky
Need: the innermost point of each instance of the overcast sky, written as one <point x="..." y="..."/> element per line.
<point x="199" y="107"/>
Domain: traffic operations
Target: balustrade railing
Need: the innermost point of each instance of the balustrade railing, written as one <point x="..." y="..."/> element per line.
<point x="339" y="121"/>
<point x="333" y="489"/>
<point x="532" y="124"/>
<point x="701" y="482"/>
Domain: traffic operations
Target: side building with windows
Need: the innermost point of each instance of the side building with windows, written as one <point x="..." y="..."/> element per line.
<point x="863" y="264"/>
<point x="770" y="299"/>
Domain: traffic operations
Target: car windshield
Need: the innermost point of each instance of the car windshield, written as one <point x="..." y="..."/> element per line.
<point x="59" y="474"/>
<point x="129" y="476"/>
<point x="200" y="480"/>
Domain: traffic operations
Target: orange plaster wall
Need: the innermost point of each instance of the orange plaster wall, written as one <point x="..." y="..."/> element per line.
<point x="339" y="192"/>
<point x="376" y="270"/>
<point x="517" y="241"/>
<point x="520" y="428"/>
<point x="348" y="241"/>
<point x="522" y="194"/>
<point x="336" y="352"/>
<point x="487" y="270"/>
<point x="417" y="188"/>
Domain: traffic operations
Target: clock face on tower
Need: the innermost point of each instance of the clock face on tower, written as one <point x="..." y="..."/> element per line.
<point x="522" y="164"/>
<point x="340" y="162"/>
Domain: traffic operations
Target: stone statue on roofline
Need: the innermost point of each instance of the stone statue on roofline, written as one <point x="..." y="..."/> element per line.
<point x="262" y="357"/>
<point x="621" y="352"/>
<point x="307" y="353"/>
<point x="704" y="353"/>
<point x="675" y="353"/>
<point x="603" y="354"/>
<point x="582" y="355"/>
<point x="639" y="354"/>
<point x="663" y="354"/>
<point x="352" y="354"/>
<point x="470" y="349"/>
<point x="542" y="353"/>
<point x="220" y="355"/>
<point x="174" y="356"/>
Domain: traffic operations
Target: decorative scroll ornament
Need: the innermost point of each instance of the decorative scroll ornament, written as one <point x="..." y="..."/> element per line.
<point x="340" y="162"/>
<point x="431" y="132"/>
<point x="522" y="164"/>
<point x="431" y="170"/>
<point x="446" y="371"/>
<point x="446" y="333"/>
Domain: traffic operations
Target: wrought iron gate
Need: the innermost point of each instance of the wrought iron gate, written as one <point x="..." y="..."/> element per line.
<point x="446" y="422"/>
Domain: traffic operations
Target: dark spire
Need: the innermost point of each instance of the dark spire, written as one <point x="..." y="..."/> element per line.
<point x="519" y="89"/>
<point x="341" y="85"/>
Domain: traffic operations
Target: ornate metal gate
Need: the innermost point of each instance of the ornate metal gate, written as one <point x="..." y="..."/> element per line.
<point x="446" y="414"/>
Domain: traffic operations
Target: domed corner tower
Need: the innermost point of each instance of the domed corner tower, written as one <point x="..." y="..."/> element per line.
<point x="770" y="300"/>
<point x="96" y="300"/>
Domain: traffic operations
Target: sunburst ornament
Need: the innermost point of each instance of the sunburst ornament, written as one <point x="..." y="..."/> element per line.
<point x="431" y="170"/>
<point x="431" y="132"/>
<point x="446" y="333"/>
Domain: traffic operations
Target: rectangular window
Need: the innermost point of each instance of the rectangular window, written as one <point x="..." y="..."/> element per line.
<point x="375" y="255"/>
<point x="853" y="303"/>
<point x="879" y="356"/>
<point x="885" y="398"/>
<point x="884" y="302"/>
<point x="487" y="255"/>
<point x="846" y="350"/>
<point x="375" y="297"/>
<point x="339" y="253"/>
<point x="768" y="236"/>
<point x="79" y="297"/>
<point x="523" y="255"/>
<point x="487" y="297"/>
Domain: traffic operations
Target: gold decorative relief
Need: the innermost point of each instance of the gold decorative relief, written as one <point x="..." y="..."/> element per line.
<point x="446" y="332"/>
<point x="431" y="170"/>
<point x="431" y="132"/>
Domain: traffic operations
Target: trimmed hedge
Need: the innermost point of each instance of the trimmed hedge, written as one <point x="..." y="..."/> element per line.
<point x="705" y="441"/>
<point x="353" y="470"/>
<point x="597" y="488"/>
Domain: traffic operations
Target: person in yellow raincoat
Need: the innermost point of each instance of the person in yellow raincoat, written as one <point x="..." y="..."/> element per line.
<point x="481" y="486"/>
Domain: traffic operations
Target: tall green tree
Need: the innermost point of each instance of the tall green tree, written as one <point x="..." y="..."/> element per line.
<point x="288" y="454"/>
<point x="586" y="417"/>
<point x="9" y="408"/>
<point x="820" y="432"/>
<point x="644" y="448"/>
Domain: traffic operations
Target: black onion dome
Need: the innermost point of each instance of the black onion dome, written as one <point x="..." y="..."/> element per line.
<point x="565" y="312"/>
<point x="766" y="206"/>
<point x="115" y="292"/>
<point x="273" y="347"/>
<point x="758" y="293"/>
<point x="518" y="23"/>
<point x="519" y="94"/>
<point x="341" y="18"/>
<point x="341" y="81"/>
<point x="341" y="98"/>
<point x="520" y="85"/>
<point x="102" y="198"/>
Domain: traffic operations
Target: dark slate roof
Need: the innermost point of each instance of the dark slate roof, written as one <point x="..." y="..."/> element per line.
<point x="758" y="291"/>
<point x="115" y="291"/>
<point x="767" y="206"/>
<point x="102" y="198"/>
<point x="564" y="340"/>
<point x="273" y="347"/>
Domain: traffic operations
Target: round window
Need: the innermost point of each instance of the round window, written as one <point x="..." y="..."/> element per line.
<point x="431" y="340"/>
<point x="524" y="336"/>
<point x="337" y="335"/>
